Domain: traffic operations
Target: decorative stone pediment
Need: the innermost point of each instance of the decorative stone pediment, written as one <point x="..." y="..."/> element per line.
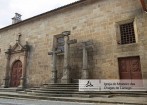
<point x="18" y="47"/>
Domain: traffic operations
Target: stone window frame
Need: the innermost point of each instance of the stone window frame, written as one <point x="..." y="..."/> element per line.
<point x="118" y="34"/>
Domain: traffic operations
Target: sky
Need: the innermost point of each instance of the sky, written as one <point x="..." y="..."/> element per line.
<point x="27" y="8"/>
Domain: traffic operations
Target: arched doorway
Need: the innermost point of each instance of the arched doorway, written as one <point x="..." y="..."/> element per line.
<point x="16" y="73"/>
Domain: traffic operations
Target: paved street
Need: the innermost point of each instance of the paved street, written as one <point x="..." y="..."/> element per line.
<point x="37" y="102"/>
<point x="44" y="102"/>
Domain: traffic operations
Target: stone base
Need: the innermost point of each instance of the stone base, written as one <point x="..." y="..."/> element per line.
<point x="5" y="83"/>
<point x="53" y="80"/>
<point x="20" y="89"/>
<point x="4" y="86"/>
<point x="65" y="80"/>
<point x="85" y="74"/>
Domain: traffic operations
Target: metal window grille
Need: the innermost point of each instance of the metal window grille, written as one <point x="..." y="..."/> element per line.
<point x="127" y="33"/>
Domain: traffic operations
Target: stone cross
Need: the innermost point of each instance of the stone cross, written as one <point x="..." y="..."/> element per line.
<point x="85" y="46"/>
<point x="18" y="40"/>
<point x="67" y="42"/>
<point x="54" y="69"/>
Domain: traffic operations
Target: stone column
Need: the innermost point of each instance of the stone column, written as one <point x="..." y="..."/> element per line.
<point x="23" y="77"/>
<point x="6" y="80"/>
<point x="85" y="73"/>
<point x="24" y="66"/>
<point x="54" y="69"/>
<point x="65" y="78"/>
<point x="66" y="70"/>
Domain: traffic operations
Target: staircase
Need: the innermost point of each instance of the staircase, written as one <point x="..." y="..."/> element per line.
<point x="63" y="90"/>
<point x="72" y="90"/>
<point x="54" y="90"/>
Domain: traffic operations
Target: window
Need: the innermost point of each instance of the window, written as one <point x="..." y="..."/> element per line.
<point x="127" y="34"/>
<point x="60" y="43"/>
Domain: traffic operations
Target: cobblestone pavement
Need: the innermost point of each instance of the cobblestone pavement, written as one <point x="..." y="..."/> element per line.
<point x="44" y="102"/>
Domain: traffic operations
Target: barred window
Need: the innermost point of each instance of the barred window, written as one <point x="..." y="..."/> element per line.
<point x="127" y="33"/>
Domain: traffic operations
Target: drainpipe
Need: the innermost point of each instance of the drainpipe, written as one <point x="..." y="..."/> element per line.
<point x="143" y="5"/>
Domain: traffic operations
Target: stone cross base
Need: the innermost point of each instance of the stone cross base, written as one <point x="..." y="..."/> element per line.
<point x="5" y="83"/>
<point x="22" y="86"/>
<point x="85" y="74"/>
<point x="53" y="80"/>
<point x="65" y="79"/>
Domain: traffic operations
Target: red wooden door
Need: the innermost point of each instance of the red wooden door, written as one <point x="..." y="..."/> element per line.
<point x="130" y="68"/>
<point x="16" y="74"/>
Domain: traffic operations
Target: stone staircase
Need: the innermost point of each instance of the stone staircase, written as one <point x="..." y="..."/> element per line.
<point x="54" y="90"/>
<point x="69" y="90"/>
<point x="72" y="90"/>
<point x="63" y="90"/>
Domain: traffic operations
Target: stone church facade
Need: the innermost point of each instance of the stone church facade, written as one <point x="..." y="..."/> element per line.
<point x="96" y="39"/>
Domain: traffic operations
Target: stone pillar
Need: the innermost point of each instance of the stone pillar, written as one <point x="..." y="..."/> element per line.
<point x="54" y="69"/>
<point x="23" y="84"/>
<point x="65" y="78"/>
<point x="7" y="77"/>
<point x="66" y="70"/>
<point x="85" y="71"/>
<point x="23" y="77"/>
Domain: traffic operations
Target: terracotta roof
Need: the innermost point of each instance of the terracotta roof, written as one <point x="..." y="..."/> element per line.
<point x="40" y="15"/>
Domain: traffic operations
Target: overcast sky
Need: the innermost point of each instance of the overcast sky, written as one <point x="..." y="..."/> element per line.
<point x="27" y="8"/>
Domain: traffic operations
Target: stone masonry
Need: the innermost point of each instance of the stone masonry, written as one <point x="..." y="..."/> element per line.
<point x="95" y="20"/>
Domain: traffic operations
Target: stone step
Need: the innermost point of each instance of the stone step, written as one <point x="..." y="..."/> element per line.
<point x="8" y="89"/>
<point x="53" y="89"/>
<point x="85" y="92"/>
<point x="92" y="95"/>
<point x="49" y="95"/>
<point x="96" y="92"/>
<point x="56" y="92"/>
<point x="60" y="85"/>
<point x="130" y="93"/>
<point x="59" y="88"/>
<point x="68" y="92"/>
<point x="64" y="94"/>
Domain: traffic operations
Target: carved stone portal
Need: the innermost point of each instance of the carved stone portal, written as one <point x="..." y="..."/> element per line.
<point x="15" y="54"/>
